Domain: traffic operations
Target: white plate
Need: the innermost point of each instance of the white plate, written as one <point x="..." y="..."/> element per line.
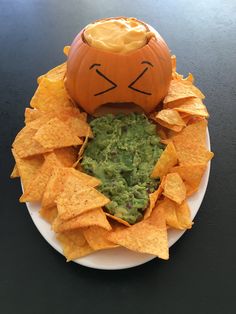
<point x="119" y="258"/>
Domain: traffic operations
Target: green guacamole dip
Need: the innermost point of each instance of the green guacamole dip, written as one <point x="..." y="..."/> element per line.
<point x="122" y="155"/>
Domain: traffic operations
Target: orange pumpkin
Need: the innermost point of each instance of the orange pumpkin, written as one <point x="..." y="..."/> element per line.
<point x="95" y="77"/>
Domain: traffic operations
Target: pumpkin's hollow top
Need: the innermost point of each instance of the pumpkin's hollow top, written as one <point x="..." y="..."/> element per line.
<point x="118" y="35"/>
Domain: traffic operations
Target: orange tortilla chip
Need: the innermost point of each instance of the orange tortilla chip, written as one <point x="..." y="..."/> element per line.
<point x="15" y="172"/>
<point x="192" y="106"/>
<point x="57" y="180"/>
<point x="148" y="236"/>
<point x="66" y="155"/>
<point x="173" y="61"/>
<point x="167" y="160"/>
<point x="97" y="238"/>
<point x="177" y="216"/>
<point x="50" y="96"/>
<point x="66" y="50"/>
<point x="74" y="244"/>
<point x="55" y="134"/>
<point x="25" y="145"/>
<point x="174" y="188"/>
<point x="175" y="128"/>
<point x="55" y="74"/>
<point x="32" y="114"/>
<point x="191" y="175"/>
<point x="171" y="117"/>
<point x="153" y="197"/>
<point x="79" y="127"/>
<point x="28" y="167"/>
<point x="49" y="214"/>
<point x="77" y="198"/>
<point x="180" y="89"/>
<point x="36" y="187"/>
<point x="190" y="144"/>
<point x="118" y="219"/>
<point x="94" y="217"/>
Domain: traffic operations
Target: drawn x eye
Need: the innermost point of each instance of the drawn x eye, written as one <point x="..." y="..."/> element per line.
<point x="131" y="85"/>
<point x="114" y="85"/>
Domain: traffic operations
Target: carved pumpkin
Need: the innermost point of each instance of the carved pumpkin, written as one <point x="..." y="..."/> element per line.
<point x="96" y="77"/>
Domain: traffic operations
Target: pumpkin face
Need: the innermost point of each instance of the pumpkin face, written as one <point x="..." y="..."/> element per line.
<point x="95" y="77"/>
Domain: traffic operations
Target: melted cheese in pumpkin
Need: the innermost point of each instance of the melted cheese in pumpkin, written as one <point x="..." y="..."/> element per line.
<point x="117" y="35"/>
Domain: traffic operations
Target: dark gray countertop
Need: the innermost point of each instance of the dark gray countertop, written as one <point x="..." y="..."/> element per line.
<point x="200" y="275"/>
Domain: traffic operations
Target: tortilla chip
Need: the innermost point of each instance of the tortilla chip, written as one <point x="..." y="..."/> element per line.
<point x="153" y="197"/>
<point x="177" y="216"/>
<point x="55" y="74"/>
<point x="175" y="128"/>
<point x="81" y="151"/>
<point x="118" y="219"/>
<point x="28" y="167"/>
<point x="31" y="115"/>
<point x="171" y="117"/>
<point x="97" y="238"/>
<point x="55" y="134"/>
<point x="49" y="214"/>
<point x="25" y="145"/>
<point x="79" y="127"/>
<point x="173" y="62"/>
<point x="66" y="155"/>
<point x="94" y="217"/>
<point x="66" y="50"/>
<point x="184" y="215"/>
<point x="180" y="89"/>
<point x="148" y="236"/>
<point x="36" y="187"/>
<point x="167" y="160"/>
<point x="77" y="198"/>
<point x="50" y="96"/>
<point x="191" y="106"/>
<point x="191" y="175"/>
<point x="190" y="144"/>
<point x="15" y="172"/>
<point x="174" y="188"/>
<point x="74" y="244"/>
<point x="57" y="180"/>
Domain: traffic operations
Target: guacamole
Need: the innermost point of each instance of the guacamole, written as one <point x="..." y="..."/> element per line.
<point x="122" y="155"/>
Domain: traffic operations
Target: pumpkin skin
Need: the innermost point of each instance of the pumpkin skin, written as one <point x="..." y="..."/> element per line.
<point x="95" y="77"/>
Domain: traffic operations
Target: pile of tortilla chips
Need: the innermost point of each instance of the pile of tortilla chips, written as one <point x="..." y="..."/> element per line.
<point x="49" y="148"/>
